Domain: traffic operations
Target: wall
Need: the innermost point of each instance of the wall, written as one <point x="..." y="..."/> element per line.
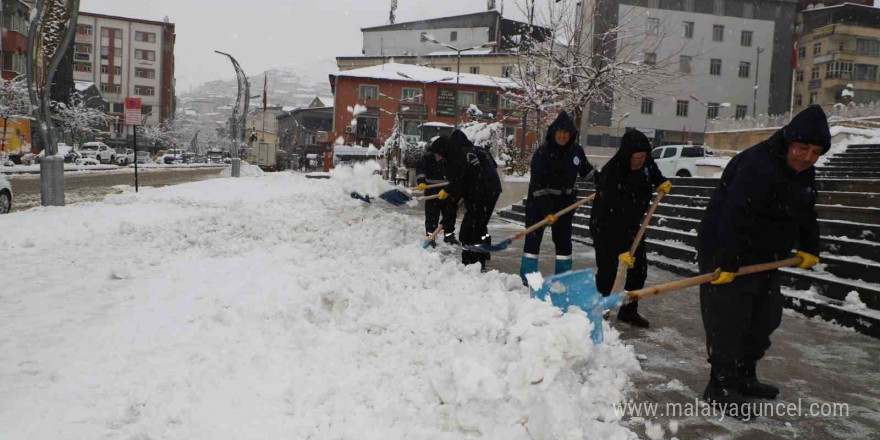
<point x="490" y="65"/>
<point x="738" y="140"/>
<point x="408" y="42"/>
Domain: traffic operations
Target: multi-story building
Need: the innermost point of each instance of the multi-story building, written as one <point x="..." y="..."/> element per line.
<point x="14" y="16"/>
<point x="838" y="46"/>
<point x="810" y="4"/>
<point x="404" y="43"/>
<point x="305" y="126"/>
<point x="719" y="51"/>
<point x="127" y="57"/>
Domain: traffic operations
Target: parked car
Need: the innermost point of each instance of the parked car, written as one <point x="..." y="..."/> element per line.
<point x="124" y="156"/>
<point x="158" y="156"/>
<point x="173" y="156"/>
<point x="215" y="156"/>
<point x="5" y="195"/>
<point x="144" y="157"/>
<point x="99" y="151"/>
<point x="87" y="161"/>
<point x="680" y="160"/>
<point x="189" y="157"/>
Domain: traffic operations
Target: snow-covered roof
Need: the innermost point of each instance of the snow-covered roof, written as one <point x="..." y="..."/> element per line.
<point x="409" y="72"/>
<point x="346" y="150"/>
<point x="437" y="124"/>
<point x="327" y="100"/>
<point x="441" y="53"/>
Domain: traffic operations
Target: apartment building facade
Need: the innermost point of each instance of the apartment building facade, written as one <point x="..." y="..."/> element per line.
<point x="14" y="16"/>
<point x="127" y="57"/>
<point x="838" y="46"/>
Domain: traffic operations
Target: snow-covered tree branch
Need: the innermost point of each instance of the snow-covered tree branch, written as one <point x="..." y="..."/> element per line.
<point x="82" y="121"/>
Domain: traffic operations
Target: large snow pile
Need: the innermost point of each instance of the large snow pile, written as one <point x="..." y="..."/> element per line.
<point x="246" y="170"/>
<point x="279" y="307"/>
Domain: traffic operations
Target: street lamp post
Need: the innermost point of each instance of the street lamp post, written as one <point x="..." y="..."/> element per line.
<point x="760" y="50"/>
<point x="706" y="123"/>
<point x="426" y="37"/>
<point x="625" y="115"/>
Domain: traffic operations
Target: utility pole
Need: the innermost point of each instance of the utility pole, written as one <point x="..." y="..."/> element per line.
<point x="760" y="50"/>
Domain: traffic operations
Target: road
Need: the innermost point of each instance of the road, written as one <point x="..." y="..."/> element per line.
<point x="93" y="186"/>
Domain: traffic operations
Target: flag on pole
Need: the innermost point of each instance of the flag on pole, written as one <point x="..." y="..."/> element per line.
<point x="265" y="97"/>
<point x="794" y="54"/>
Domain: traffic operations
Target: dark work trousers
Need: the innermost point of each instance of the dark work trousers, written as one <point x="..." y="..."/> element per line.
<point x="435" y="209"/>
<point x="739" y="317"/>
<point x="537" y="210"/>
<point x="475" y="226"/>
<point x="607" y="266"/>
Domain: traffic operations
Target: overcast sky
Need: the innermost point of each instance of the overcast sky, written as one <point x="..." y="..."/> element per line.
<point x="263" y="34"/>
<point x="305" y="35"/>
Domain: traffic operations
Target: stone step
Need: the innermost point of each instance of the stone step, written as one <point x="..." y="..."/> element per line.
<point x="841" y="160"/>
<point x="849" y="174"/>
<point x="856" y="199"/>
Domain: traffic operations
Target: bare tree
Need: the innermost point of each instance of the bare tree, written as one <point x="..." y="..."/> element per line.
<point x="14" y="100"/>
<point x="594" y="56"/>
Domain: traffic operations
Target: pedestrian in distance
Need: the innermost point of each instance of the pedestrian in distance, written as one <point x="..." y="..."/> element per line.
<point x="473" y="178"/>
<point x="763" y="208"/>
<point x="431" y="169"/>
<point x="555" y="167"/>
<point x="623" y="195"/>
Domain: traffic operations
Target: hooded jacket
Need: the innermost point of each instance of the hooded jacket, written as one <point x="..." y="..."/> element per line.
<point x="470" y="177"/>
<point x="555" y="168"/>
<point x="430" y="170"/>
<point x="762" y="208"/>
<point x="623" y="195"/>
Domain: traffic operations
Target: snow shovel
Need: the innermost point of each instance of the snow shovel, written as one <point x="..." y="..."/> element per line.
<point x="578" y="288"/>
<point x="621" y="272"/>
<point x="435" y="185"/>
<point x="504" y="244"/>
<point x="427" y="242"/>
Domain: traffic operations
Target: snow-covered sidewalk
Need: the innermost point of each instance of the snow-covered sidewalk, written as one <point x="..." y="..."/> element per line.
<point x="279" y="307"/>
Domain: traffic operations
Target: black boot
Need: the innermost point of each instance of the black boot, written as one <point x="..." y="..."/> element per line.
<point x="751" y="386"/>
<point x="723" y="392"/>
<point x="487" y="240"/>
<point x="630" y="315"/>
<point x="450" y="239"/>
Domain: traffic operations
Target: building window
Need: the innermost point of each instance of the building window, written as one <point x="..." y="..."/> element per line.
<point x="367" y="127"/>
<point x="453" y="36"/>
<point x="868" y="47"/>
<point x="654" y="26"/>
<point x="742" y="111"/>
<point x="817" y="48"/>
<point x="140" y="72"/>
<point x="105" y="69"/>
<point x="475" y="70"/>
<point x="465" y="99"/>
<point x="83" y="48"/>
<point x="684" y="64"/>
<point x="117" y="107"/>
<point x="111" y="88"/>
<point x="411" y="95"/>
<point x="839" y="69"/>
<point x="146" y="109"/>
<point x="506" y="71"/>
<point x="82" y="67"/>
<point x="681" y="108"/>
<point x="814" y="72"/>
<point x="798" y="100"/>
<point x="744" y="67"/>
<point x="688" y="27"/>
<point x="650" y="58"/>
<point x="802" y="52"/>
<point x="814" y="98"/>
<point x="647" y="106"/>
<point x="865" y="72"/>
<point x="509" y="102"/>
<point x="149" y="55"/>
<point x="718" y="7"/>
<point x="746" y="39"/>
<point x="748" y="10"/>
<point x="715" y="67"/>
<point x="84" y="29"/>
<point x="842" y="46"/>
<point x="718" y="33"/>
<point x="799" y="76"/>
<point x="778" y="13"/>
<point x="509" y="132"/>
<point x="146" y="37"/>
<point x="688" y="5"/>
<point x="412" y="128"/>
<point x="144" y="91"/>
<point x="712" y="110"/>
<point x="368" y="92"/>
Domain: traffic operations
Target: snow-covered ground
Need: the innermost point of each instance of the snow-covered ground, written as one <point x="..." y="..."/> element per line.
<point x="280" y="307"/>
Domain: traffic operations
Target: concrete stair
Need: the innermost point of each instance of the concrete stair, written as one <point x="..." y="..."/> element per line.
<point x="849" y="221"/>
<point x="857" y="162"/>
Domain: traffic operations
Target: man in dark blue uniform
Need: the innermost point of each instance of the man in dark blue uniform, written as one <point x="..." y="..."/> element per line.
<point x="555" y="168"/>
<point x="431" y="170"/>
<point x="473" y="177"/>
<point x="623" y="194"/>
<point x="764" y="207"/>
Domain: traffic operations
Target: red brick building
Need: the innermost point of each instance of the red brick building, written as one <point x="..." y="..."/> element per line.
<point x="14" y="16"/>
<point x="367" y="101"/>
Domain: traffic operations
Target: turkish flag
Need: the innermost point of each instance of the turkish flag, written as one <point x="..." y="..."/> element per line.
<point x="794" y="54"/>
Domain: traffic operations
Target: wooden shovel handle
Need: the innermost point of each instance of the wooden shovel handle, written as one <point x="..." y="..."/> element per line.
<point x="434" y="185"/>
<point x="635" y="295"/>
<point x="621" y="272"/>
<point x="422" y="199"/>
<point x="544" y="222"/>
<point x="437" y="231"/>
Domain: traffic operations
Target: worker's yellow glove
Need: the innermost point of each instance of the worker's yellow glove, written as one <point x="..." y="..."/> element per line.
<point x="627" y="259"/>
<point x="423" y="186"/>
<point x="665" y="187"/>
<point x="443" y="195"/>
<point x="809" y="259"/>
<point x="551" y="219"/>
<point x="725" y="278"/>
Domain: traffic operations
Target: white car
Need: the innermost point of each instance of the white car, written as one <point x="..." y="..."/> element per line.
<point x="5" y="195"/>
<point x="124" y="156"/>
<point x="173" y="156"/>
<point x="99" y="151"/>
<point x="680" y="160"/>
